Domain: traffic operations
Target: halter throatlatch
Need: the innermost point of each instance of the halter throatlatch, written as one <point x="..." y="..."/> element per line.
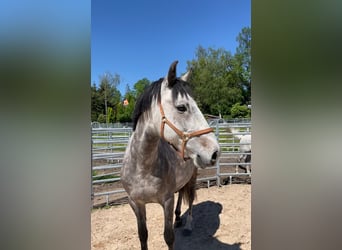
<point x="183" y="135"/>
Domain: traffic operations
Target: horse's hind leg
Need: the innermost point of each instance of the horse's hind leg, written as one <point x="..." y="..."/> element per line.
<point x="178" y="220"/>
<point x="140" y="213"/>
<point x="169" y="234"/>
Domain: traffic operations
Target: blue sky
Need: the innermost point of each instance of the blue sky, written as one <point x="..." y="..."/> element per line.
<point x="138" y="39"/>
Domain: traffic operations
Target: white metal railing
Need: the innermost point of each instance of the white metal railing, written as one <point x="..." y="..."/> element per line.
<point x="109" y="144"/>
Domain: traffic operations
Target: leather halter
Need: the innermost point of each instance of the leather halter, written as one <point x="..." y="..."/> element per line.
<point x="183" y="135"/>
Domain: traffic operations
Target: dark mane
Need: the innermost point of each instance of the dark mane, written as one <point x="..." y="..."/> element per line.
<point x="145" y="100"/>
<point x="152" y="92"/>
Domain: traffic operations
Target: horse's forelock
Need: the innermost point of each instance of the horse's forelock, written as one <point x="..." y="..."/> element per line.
<point x="181" y="87"/>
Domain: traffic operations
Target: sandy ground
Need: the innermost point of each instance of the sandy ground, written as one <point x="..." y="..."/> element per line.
<point x="221" y="220"/>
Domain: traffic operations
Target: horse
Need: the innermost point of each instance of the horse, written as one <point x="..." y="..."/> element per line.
<point x="245" y="149"/>
<point x="170" y="140"/>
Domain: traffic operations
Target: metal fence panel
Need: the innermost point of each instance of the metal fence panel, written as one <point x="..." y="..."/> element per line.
<point x="109" y="142"/>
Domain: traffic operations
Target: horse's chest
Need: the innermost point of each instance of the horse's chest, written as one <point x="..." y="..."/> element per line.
<point x="184" y="174"/>
<point x="151" y="188"/>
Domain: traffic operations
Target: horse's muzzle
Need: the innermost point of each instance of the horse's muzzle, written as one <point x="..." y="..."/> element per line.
<point x="204" y="162"/>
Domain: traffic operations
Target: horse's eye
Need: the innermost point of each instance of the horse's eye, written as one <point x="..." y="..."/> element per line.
<point x="181" y="108"/>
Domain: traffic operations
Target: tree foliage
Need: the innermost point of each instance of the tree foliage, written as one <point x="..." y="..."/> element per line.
<point x="107" y="95"/>
<point x="125" y="111"/>
<point x="221" y="84"/>
<point x="243" y="57"/>
<point x="140" y="86"/>
<point x="240" y="111"/>
<point x="221" y="79"/>
<point x="96" y="104"/>
<point x="216" y="81"/>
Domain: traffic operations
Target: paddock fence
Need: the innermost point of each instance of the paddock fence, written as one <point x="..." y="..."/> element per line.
<point x="109" y="142"/>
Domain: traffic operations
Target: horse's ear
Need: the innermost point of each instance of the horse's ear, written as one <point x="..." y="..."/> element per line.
<point x="171" y="76"/>
<point x="186" y="76"/>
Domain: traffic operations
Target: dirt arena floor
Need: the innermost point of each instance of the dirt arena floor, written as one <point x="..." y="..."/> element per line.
<point x="221" y="220"/>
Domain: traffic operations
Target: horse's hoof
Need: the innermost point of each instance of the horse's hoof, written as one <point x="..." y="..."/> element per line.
<point x="187" y="232"/>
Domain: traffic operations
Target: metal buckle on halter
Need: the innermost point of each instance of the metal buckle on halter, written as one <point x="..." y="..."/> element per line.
<point x="185" y="137"/>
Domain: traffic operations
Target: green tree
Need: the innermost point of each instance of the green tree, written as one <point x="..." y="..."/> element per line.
<point x="110" y="96"/>
<point x="96" y="105"/>
<point x="125" y="110"/>
<point x="220" y="79"/>
<point x="215" y="80"/>
<point x="110" y="115"/>
<point x="140" y="86"/>
<point x="240" y="111"/>
<point x="243" y="58"/>
<point x="221" y="84"/>
<point x="101" y="118"/>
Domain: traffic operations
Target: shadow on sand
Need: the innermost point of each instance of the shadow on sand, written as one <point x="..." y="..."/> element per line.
<point x="205" y="223"/>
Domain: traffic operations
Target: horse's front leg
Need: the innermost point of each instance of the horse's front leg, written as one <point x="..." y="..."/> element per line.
<point x="140" y="213"/>
<point x="169" y="234"/>
<point x="190" y="194"/>
<point x="178" y="220"/>
<point x="188" y="225"/>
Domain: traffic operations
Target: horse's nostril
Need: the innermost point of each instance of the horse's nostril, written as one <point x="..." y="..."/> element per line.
<point x="214" y="157"/>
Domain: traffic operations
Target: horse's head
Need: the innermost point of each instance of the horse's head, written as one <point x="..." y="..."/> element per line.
<point x="183" y="124"/>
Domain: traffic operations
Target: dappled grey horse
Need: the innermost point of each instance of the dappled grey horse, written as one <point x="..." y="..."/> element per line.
<point x="170" y="139"/>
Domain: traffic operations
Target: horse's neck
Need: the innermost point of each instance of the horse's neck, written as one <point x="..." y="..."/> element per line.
<point x="154" y="152"/>
<point x="147" y="139"/>
<point x="144" y="144"/>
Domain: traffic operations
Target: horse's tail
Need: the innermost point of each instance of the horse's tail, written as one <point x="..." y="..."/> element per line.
<point x="189" y="190"/>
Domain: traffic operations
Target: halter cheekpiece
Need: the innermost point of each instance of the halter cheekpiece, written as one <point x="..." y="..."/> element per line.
<point x="185" y="137"/>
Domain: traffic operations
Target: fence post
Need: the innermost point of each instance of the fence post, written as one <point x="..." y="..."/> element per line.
<point x="91" y="167"/>
<point x="217" y="132"/>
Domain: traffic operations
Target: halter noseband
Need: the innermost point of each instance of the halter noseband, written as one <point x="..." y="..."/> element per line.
<point x="183" y="135"/>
